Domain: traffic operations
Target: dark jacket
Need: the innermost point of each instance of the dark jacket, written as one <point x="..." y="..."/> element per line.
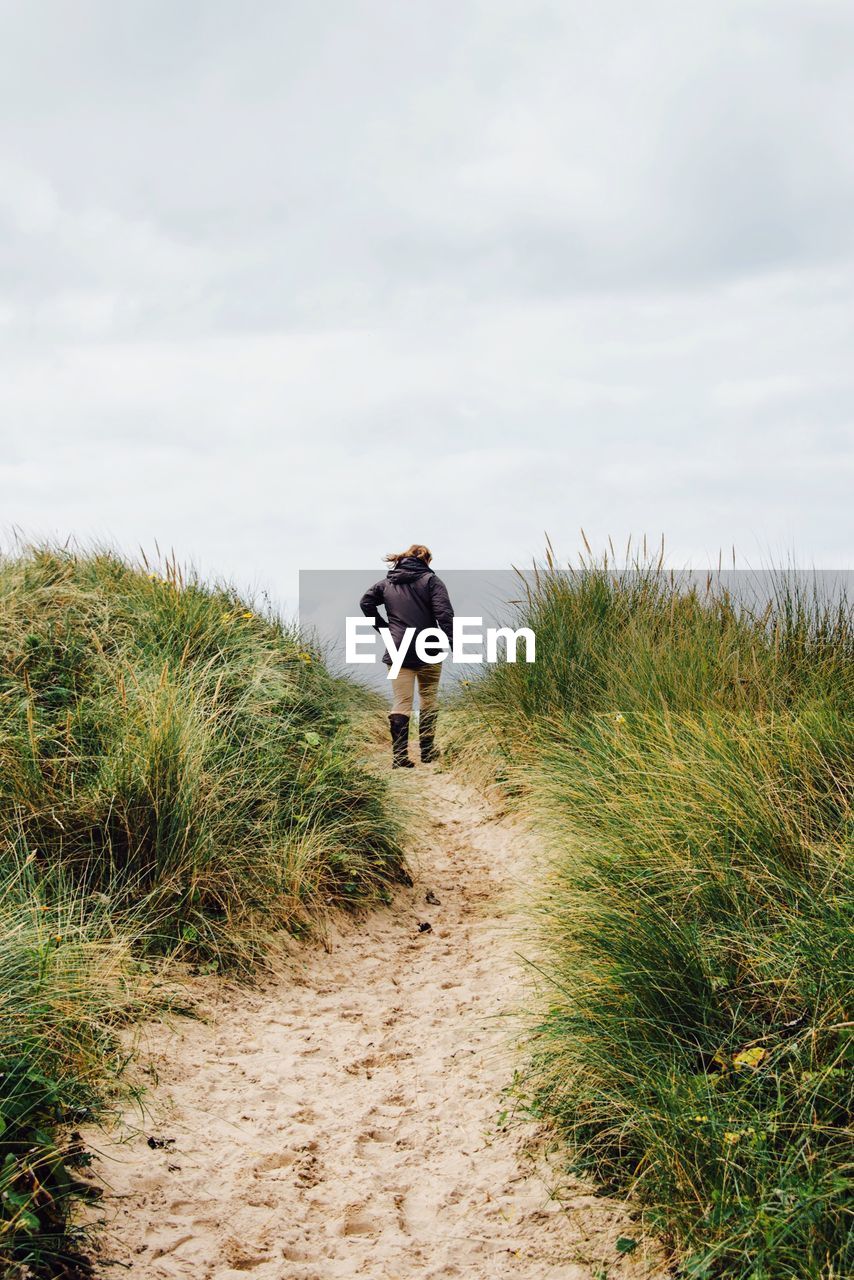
<point x="413" y="597"/>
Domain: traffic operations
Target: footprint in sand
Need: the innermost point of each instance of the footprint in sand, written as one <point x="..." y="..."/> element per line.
<point x="359" y="1223"/>
<point x="280" y="1161"/>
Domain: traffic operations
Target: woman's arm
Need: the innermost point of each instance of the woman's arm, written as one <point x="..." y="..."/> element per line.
<point x="441" y="604"/>
<point x="370" y="602"/>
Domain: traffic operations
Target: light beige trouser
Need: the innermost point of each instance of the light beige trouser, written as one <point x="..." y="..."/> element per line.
<point x="403" y="688"/>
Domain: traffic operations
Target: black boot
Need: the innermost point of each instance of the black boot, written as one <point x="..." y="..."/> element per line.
<point x="400" y="742"/>
<point x="426" y="734"/>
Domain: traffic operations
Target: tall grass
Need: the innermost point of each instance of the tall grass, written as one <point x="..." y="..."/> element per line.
<point x="67" y="979"/>
<point x="693" y="763"/>
<point x="176" y="774"/>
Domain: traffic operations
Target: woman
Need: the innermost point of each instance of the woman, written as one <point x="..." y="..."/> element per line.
<point x="413" y="597"/>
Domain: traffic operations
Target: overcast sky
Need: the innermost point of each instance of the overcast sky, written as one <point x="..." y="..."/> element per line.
<point x="286" y="285"/>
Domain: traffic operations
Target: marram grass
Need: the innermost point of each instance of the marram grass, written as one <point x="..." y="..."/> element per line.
<point x="177" y="775"/>
<point x="693" y="766"/>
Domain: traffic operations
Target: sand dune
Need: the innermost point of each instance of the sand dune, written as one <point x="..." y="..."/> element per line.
<point x="345" y="1118"/>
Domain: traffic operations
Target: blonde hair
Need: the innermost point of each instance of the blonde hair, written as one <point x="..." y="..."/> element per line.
<point x="417" y="551"/>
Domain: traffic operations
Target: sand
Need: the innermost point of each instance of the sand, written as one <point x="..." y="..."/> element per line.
<point x="347" y="1116"/>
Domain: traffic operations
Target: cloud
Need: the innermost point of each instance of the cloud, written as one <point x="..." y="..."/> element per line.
<point x="279" y="283"/>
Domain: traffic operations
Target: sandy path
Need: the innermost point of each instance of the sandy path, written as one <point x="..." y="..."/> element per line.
<point x="344" y="1118"/>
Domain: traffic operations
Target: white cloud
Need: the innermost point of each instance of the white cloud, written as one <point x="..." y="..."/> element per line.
<point x="281" y="284"/>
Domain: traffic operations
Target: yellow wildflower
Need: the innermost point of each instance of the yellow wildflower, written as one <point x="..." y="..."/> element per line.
<point x="57" y="937"/>
<point x="305" y="657"/>
<point x="619" y="718"/>
<point x="731" y="1136"/>
<point x="247" y="614"/>
<point x="701" y="1119"/>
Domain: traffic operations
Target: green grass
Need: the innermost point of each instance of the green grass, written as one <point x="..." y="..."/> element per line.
<point x="178" y="775"/>
<point x="68" y="981"/>
<point x="693" y="766"/>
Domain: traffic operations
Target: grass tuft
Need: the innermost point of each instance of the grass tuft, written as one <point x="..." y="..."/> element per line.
<point x="177" y="776"/>
<point x="691" y="760"/>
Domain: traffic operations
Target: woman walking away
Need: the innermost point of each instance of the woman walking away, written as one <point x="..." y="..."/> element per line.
<point x="413" y="597"/>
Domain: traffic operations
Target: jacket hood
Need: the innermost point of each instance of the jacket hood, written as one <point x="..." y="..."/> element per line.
<point x="407" y="570"/>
